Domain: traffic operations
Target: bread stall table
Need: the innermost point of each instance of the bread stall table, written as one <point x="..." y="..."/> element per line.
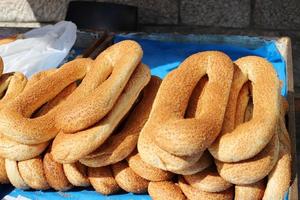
<point x="163" y="53"/>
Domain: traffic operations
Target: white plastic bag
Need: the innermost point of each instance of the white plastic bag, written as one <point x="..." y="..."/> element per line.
<point x="42" y="48"/>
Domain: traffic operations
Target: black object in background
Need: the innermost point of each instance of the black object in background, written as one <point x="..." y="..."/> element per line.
<point x="102" y="16"/>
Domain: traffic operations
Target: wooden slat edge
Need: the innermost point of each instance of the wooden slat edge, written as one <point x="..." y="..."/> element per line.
<point x="285" y="48"/>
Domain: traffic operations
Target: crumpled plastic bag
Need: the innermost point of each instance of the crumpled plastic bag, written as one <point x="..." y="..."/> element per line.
<point x="42" y="48"/>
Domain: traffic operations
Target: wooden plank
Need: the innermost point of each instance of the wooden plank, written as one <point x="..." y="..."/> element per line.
<point x="284" y="46"/>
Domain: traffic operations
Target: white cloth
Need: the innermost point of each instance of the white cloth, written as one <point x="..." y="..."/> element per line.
<point x="42" y="48"/>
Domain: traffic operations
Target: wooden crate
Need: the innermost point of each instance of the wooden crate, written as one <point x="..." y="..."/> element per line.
<point x="285" y="48"/>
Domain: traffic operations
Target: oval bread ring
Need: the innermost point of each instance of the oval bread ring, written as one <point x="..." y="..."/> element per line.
<point x="208" y="180"/>
<point x="14" y="175"/>
<point x="146" y="171"/>
<point x="194" y="109"/>
<point x="13" y="150"/>
<point x="165" y="190"/>
<point x="251" y="170"/>
<point x="186" y="137"/>
<point x="122" y="59"/>
<point x="68" y="148"/>
<point x="76" y="173"/>
<point x="204" y="162"/>
<point x="15" y="121"/>
<point x="195" y="194"/>
<point x="254" y="191"/>
<point x="127" y="179"/>
<point x="102" y="180"/>
<point x="55" y="174"/>
<point x="117" y="147"/>
<point x="248" y="139"/>
<point x="155" y="156"/>
<point x="32" y="172"/>
<point x="280" y="177"/>
<point x="3" y="175"/>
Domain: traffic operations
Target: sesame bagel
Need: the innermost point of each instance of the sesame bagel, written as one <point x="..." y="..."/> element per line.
<point x="251" y="170"/>
<point x="165" y="190"/>
<point x="145" y="170"/>
<point x="208" y="180"/>
<point x="15" y="121"/>
<point x="55" y="174"/>
<point x="280" y="177"/>
<point x="196" y="194"/>
<point x="186" y="137"/>
<point x="32" y="172"/>
<point x="102" y="180"/>
<point x="159" y="158"/>
<point x="254" y="191"/>
<point x="248" y="139"/>
<point x="13" y="150"/>
<point x="14" y="175"/>
<point x="204" y="162"/>
<point x="121" y="59"/>
<point x="76" y="173"/>
<point x="127" y="179"/>
<point x="68" y="148"/>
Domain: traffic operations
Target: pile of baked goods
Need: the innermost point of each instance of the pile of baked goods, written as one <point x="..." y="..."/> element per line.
<point x="212" y="129"/>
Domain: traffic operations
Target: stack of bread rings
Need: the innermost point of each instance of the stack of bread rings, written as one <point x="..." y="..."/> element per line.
<point x="211" y="129"/>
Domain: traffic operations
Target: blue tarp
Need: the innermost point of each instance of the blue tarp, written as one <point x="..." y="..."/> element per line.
<point x="163" y="57"/>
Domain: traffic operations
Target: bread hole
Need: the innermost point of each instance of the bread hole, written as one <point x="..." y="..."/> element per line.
<point x="194" y="104"/>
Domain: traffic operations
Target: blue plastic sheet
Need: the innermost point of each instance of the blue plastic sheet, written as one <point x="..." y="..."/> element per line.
<point x="163" y="57"/>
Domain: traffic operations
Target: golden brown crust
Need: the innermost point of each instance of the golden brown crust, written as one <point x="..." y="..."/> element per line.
<point x="102" y="180"/>
<point x="32" y="172"/>
<point x="146" y="171"/>
<point x="55" y="174"/>
<point x="208" y="180"/>
<point x="204" y="162"/>
<point x="250" y="138"/>
<point x="127" y="179"/>
<point x="15" y="118"/>
<point x="13" y="150"/>
<point x="280" y="177"/>
<point x="254" y="191"/>
<point x="38" y="76"/>
<point x="76" y="173"/>
<point x="61" y="97"/>
<point x="3" y="175"/>
<point x="196" y="194"/>
<point x="165" y="190"/>
<point x="156" y="157"/>
<point x="121" y="59"/>
<point x="14" y="175"/>
<point x="242" y="105"/>
<point x="14" y="83"/>
<point x="68" y="148"/>
<point x="118" y="146"/>
<point x="185" y="137"/>
<point x="251" y="170"/>
<point x="14" y="88"/>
